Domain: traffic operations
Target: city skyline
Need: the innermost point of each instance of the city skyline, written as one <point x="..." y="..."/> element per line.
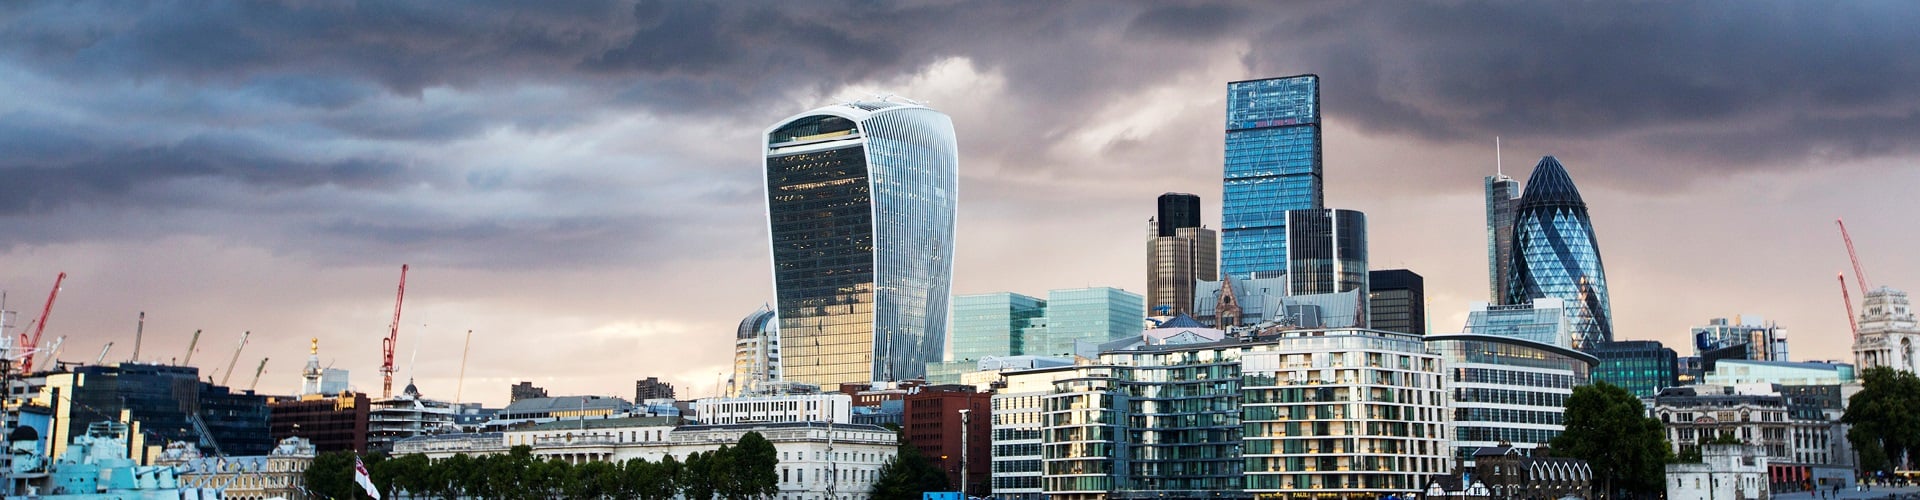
<point x="539" y="169"/>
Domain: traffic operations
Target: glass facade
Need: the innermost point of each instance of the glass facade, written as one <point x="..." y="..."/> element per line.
<point x="1556" y="255"/>
<point x="1397" y="301"/>
<point x="1272" y="166"/>
<point x="995" y="324"/>
<point x="1174" y="264"/>
<point x="1503" y="197"/>
<point x="1097" y="315"/>
<point x="1543" y="320"/>
<point x="1642" y="367"/>
<point x="1508" y="389"/>
<point x="1326" y="252"/>
<point x="861" y="200"/>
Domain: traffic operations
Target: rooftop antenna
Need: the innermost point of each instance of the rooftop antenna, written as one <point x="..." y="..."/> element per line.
<point x="1497" y="168"/>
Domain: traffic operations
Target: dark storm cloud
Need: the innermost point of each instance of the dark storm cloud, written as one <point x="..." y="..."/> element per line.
<point x="279" y="98"/>
<point x="1752" y="77"/>
<point x="93" y="175"/>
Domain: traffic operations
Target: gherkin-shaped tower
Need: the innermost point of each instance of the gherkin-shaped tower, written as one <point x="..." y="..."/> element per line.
<point x="1556" y="255"/>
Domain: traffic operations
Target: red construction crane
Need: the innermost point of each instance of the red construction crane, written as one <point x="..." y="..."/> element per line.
<point x="26" y="367"/>
<point x="1859" y="275"/>
<point x="1852" y="321"/>
<point x="393" y="337"/>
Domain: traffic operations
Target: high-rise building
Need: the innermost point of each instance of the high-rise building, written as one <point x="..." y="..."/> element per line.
<point x="934" y="423"/>
<point x="337" y="422"/>
<point x="1326" y="252"/>
<point x="1555" y="254"/>
<point x="651" y="388"/>
<point x="1503" y="198"/>
<point x="1888" y="332"/>
<point x="1508" y="389"/>
<point x="996" y="324"/>
<point x="1272" y="166"/>
<point x="1176" y="211"/>
<point x="1095" y="315"/>
<point x="861" y="199"/>
<point x="756" y="354"/>
<point x="1397" y="301"/>
<point x="1642" y="367"/>
<point x="1179" y="253"/>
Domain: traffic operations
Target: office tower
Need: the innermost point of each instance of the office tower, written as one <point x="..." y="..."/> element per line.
<point x="1177" y="210"/>
<point x="1543" y="320"/>
<point x="995" y="324"/>
<point x="1508" y="389"/>
<point x="1503" y="197"/>
<point x="1326" y="252"/>
<point x="1888" y="332"/>
<point x="1397" y="301"/>
<point x="1093" y="315"/>
<point x="1556" y="255"/>
<point x="861" y="200"/>
<point x="1642" y="367"/>
<point x="1179" y="253"/>
<point x="756" y="354"/>
<point x="1272" y="166"/>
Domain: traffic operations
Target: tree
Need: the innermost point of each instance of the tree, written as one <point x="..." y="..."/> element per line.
<point x="331" y="475"/>
<point x="407" y="472"/>
<point x="697" y="477"/>
<point x="1885" y="416"/>
<point x="908" y="474"/>
<point x="755" y="468"/>
<point x="1608" y="427"/>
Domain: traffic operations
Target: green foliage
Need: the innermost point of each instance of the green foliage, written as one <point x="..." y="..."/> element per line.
<point x="1608" y="427"/>
<point x="1885" y="416"/>
<point x="745" y="471"/>
<point x="908" y="474"/>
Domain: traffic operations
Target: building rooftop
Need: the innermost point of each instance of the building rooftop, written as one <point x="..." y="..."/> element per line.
<point x="607" y="423"/>
<point x="564" y="403"/>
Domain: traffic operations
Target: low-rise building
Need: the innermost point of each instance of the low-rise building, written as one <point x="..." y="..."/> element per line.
<point x="532" y="411"/>
<point x="280" y="473"/>
<point x="776" y="408"/>
<point x="407" y="415"/>
<point x="1725" y="472"/>
<point x="1508" y="391"/>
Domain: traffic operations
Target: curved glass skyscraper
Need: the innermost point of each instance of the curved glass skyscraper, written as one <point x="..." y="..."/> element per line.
<point x="1556" y="255"/>
<point x="861" y="200"/>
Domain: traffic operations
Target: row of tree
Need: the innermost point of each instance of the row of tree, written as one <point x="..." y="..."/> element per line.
<point x="741" y="471"/>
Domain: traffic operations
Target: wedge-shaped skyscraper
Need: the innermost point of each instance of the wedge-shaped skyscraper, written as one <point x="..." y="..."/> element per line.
<point x="1556" y="255"/>
<point x="861" y="200"/>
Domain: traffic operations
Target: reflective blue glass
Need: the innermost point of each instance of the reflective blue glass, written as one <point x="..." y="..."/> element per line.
<point x="1556" y="255"/>
<point x="1272" y="165"/>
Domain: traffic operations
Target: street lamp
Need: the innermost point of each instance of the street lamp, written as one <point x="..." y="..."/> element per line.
<point x="964" y="414"/>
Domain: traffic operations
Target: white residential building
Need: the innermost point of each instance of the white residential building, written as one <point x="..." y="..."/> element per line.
<point x="1726" y="472"/>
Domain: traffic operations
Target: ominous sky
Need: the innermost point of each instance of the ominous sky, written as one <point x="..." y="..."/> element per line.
<point x="578" y="182"/>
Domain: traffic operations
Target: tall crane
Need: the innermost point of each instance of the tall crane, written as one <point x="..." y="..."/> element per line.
<point x="461" y="386"/>
<point x="393" y="337"/>
<point x="26" y="367"/>
<point x="236" y="357"/>
<point x="103" y="354"/>
<point x="256" y="374"/>
<point x="137" y="332"/>
<point x="1852" y="321"/>
<point x="190" y="344"/>
<point x="1858" y="274"/>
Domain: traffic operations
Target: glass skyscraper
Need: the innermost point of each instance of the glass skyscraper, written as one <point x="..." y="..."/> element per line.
<point x="1272" y="166"/>
<point x="1179" y="254"/>
<point x="1503" y="196"/>
<point x="861" y="199"/>
<point x="1326" y="252"/>
<point x="1556" y="255"/>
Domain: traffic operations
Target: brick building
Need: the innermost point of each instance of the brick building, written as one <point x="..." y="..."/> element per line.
<point x="932" y="424"/>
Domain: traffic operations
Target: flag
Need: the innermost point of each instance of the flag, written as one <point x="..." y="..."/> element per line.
<point x="366" y="481"/>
